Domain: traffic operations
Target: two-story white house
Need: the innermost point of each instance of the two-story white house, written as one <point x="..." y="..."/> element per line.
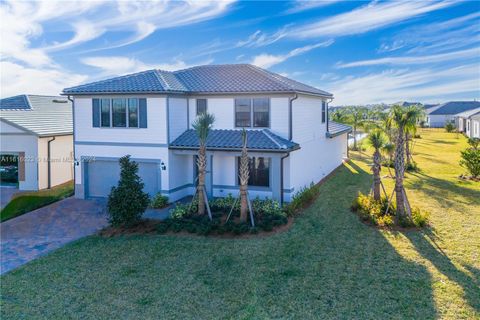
<point x="149" y="116"/>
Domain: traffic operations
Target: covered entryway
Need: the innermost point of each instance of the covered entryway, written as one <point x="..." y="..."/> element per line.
<point x="102" y="175"/>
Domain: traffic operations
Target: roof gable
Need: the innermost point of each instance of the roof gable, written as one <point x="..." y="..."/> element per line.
<point x="229" y="78"/>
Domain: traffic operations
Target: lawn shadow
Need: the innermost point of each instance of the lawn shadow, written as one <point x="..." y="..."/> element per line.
<point x="426" y="245"/>
<point x="441" y="188"/>
<point x="341" y="268"/>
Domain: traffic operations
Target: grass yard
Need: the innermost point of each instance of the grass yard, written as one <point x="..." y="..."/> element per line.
<point x="328" y="265"/>
<point x="28" y="201"/>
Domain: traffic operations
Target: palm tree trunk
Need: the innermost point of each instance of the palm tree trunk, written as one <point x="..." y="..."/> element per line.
<point x="376" y="175"/>
<point x="244" y="172"/>
<point x="243" y="203"/>
<point x="202" y="165"/>
<point x="407" y="147"/>
<point x="399" y="173"/>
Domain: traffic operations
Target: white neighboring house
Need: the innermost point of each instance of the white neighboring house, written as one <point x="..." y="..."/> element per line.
<point x="439" y="116"/>
<point x="463" y="121"/>
<point x="34" y="130"/>
<point x="472" y="126"/>
<point x="149" y="116"/>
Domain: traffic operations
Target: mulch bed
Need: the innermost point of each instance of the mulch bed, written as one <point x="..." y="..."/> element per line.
<point x="149" y="226"/>
<point x="468" y="178"/>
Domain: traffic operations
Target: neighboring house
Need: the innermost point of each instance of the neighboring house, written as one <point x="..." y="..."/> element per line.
<point x="149" y="116"/>
<point x="440" y="115"/>
<point x="463" y="121"/>
<point x="34" y="130"/>
<point x="475" y="125"/>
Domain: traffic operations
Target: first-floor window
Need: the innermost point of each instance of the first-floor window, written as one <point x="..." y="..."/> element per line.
<point x="119" y="112"/>
<point x="259" y="172"/>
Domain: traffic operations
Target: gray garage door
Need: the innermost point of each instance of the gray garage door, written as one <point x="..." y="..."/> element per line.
<point x="102" y="175"/>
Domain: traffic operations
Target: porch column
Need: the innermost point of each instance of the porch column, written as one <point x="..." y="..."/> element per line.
<point x="276" y="178"/>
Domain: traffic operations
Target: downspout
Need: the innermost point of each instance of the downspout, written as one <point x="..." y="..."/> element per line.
<point x="327" y="115"/>
<point x="73" y="134"/>
<point x="49" y="165"/>
<point x="281" y="178"/>
<point x="290" y="113"/>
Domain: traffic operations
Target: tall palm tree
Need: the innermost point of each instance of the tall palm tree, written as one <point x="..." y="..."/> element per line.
<point x="401" y="117"/>
<point x="355" y="118"/>
<point x="244" y="175"/>
<point x="377" y="140"/>
<point x="202" y="124"/>
<point x="411" y="129"/>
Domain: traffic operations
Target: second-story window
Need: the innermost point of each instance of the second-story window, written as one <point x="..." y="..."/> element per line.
<point x="252" y="112"/>
<point x="105" y="112"/>
<point x="119" y="113"/>
<point x="201" y="106"/>
<point x="261" y="117"/>
<point x="243" y="110"/>
<point x="133" y="113"/>
<point x="324" y="111"/>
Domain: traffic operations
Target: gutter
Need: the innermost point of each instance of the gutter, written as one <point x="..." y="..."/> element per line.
<point x="290" y="114"/>
<point x="49" y="165"/>
<point x="281" y="178"/>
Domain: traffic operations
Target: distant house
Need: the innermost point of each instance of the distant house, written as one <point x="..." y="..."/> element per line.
<point x="36" y="141"/>
<point x="440" y="115"/>
<point x="463" y="121"/>
<point x="474" y="126"/>
<point x="149" y="115"/>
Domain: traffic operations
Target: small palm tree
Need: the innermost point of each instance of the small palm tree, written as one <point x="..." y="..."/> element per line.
<point x="244" y="175"/>
<point x="202" y="124"/>
<point x="411" y="129"/>
<point x="355" y="118"/>
<point x="389" y="150"/>
<point x="377" y="140"/>
<point x="401" y="117"/>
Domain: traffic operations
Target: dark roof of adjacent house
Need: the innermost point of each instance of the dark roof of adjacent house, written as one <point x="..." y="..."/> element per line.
<point x="207" y="79"/>
<point x="336" y="129"/>
<point x="231" y="140"/>
<point x="39" y="115"/>
<point x="455" y="107"/>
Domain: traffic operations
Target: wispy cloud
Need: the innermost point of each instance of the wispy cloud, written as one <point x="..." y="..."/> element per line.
<point x="373" y="16"/>
<point x="410" y="60"/>
<point x="303" y="5"/>
<point x="119" y="65"/>
<point x="438" y="36"/>
<point x="425" y="84"/>
<point x="267" y="60"/>
<point x="260" y="39"/>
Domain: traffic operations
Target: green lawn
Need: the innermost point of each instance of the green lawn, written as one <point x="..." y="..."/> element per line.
<point x="28" y="201"/>
<point x="328" y="265"/>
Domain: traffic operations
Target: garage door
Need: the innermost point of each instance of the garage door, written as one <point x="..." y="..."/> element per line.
<point x="102" y="175"/>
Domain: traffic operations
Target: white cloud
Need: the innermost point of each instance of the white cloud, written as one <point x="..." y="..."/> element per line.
<point x="267" y="60"/>
<point x="17" y="79"/>
<point x="120" y="65"/>
<point x="373" y="16"/>
<point x="392" y="85"/>
<point x="442" y="57"/>
<point x="260" y="39"/>
<point x="303" y="5"/>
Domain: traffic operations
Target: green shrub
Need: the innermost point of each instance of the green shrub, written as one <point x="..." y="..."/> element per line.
<point x="159" y="201"/>
<point x="127" y="202"/>
<point x="302" y="198"/>
<point x="450" y="127"/>
<point x="411" y="166"/>
<point x="376" y="212"/>
<point x="471" y="157"/>
<point x="179" y="211"/>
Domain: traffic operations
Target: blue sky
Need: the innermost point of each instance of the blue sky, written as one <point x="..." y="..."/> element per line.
<point x="363" y="52"/>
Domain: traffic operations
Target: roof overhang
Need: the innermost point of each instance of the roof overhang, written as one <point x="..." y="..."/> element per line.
<point x="297" y="147"/>
<point x="336" y="134"/>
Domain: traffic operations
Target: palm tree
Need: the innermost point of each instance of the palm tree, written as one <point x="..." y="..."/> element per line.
<point x="389" y="149"/>
<point x="202" y="124"/>
<point x="401" y="117"/>
<point x="244" y="174"/>
<point x="355" y="118"/>
<point x="377" y="140"/>
<point x="410" y="130"/>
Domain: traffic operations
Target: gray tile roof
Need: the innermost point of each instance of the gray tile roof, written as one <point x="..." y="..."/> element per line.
<point x="455" y="107"/>
<point x="220" y="139"/>
<point x="41" y="115"/>
<point x="336" y="129"/>
<point x="207" y="79"/>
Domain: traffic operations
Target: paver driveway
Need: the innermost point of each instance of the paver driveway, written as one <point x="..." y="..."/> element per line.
<point x="34" y="234"/>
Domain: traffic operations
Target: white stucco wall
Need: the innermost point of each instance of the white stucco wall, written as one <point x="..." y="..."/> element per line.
<point x="61" y="154"/>
<point x="177" y="117"/>
<point x="439" y="120"/>
<point x="13" y="141"/>
<point x="475" y="132"/>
